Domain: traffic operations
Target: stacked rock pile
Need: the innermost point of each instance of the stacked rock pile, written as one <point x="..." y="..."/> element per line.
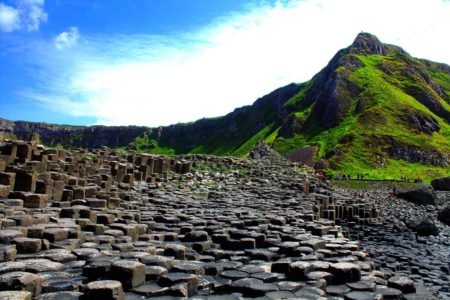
<point x="103" y="225"/>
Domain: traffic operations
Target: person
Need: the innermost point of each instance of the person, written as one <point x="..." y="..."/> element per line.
<point x="306" y="186"/>
<point x="394" y="190"/>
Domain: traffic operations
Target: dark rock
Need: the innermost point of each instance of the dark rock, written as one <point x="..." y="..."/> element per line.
<point x="441" y="184"/>
<point x="345" y="272"/>
<point x="389" y="293"/>
<point x="444" y="215"/>
<point x="419" y="196"/>
<point x="105" y="290"/>
<point x="402" y="283"/>
<point x="171" y="279"/>
<point x="423" y="228"/>
<point x="129" y="273"/>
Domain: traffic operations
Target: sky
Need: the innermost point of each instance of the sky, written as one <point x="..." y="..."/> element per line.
<point x="160" y="62"/>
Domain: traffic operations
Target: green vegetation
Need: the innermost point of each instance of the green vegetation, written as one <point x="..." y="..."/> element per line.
<point x="372" y="185"/>
<point x="144" y="144"/>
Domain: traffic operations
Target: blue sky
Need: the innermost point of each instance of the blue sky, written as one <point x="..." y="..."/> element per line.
<point x="159" y="62"/>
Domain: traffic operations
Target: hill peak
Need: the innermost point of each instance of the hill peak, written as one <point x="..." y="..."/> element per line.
<point x="366" y="43"/>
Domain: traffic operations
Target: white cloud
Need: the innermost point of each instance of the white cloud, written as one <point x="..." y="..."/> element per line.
<point x="160" y="80"/>
<point x="9" y="18"/>
<point x="67" y="39"/>
<point x="28" y="15"/>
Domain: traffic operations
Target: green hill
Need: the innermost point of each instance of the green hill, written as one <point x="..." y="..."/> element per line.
<point x="373" y="110"/>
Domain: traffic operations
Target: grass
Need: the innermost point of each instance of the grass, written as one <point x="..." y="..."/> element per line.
<point x="360" y="136"/>
<point x="372" y="185"/>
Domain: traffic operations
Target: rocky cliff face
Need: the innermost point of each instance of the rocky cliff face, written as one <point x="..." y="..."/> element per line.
<point x="73" y="136"/>
<point x="372" y="108"/>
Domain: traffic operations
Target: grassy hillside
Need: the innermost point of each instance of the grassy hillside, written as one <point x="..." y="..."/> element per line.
<point x="373" y="110"/>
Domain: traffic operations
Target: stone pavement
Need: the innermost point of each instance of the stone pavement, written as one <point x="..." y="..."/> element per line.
<point x="99" y="224"/>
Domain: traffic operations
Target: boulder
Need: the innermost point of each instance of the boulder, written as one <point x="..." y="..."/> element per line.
<point x="441" y="184"/>
<point x="419" y="196"/>
<point x="444" y="215"/>
<point x="423" y="227"/>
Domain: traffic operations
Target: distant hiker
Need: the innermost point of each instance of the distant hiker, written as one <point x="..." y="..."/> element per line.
<point x="394" y="190"/>
<point x="336" y="176"/>
<point x="306" y="186"/>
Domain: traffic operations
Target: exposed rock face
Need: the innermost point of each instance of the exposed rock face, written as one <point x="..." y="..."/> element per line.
<point x="416" y="155"/>
<point x="422" y="123"/>
<point x="441" y="184"/>
<point x="366" y="43"/>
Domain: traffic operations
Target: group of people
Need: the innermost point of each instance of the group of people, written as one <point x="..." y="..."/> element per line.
<point x="341" y="176"/>
<point x="407" y="179"/>
<point x="261" y="150"/>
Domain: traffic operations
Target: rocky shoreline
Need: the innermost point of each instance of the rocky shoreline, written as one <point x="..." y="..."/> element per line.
<point x="100" y="224"/>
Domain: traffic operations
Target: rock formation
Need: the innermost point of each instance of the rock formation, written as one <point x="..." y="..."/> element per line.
<point x="99" y="224"/>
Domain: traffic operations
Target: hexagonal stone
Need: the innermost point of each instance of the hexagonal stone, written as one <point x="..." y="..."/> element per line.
<point x="40" y="265"/>
<point x="105" y="290"/>
<point x="66" y="295"/>
<point x="337" y="290"/>
<point x="7" y="235"/>
<point x="27" y="245"/>
<point x="364" y="286"/>
<point x="299" y="269"/>
<point x="11" y="266"/>
<point x="21" y="281"/>
<point x="176" y="250"/>
<point x="59" y="285"/>
<point x="151" y="290"/>
<point x="15" y="295"/>
<point x="130" y="273"/>
<point x="55" y="234"/>
<point x="402" y="283"/>
<point x="345" y="272"/>
<point x="233" y="274"/>
<point x="35" y="201"/>
<point x="265" y="276"/>
<point x="318" y="275"/>
<point x="171" y="279"/>
<point x="389" y="293"/>
<point x="154" y="272"/>
<point x="157" y="260"/>
<point x="187" y="267"/>
<point x="356" y="295"/>
<point x="290" y="286"/>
